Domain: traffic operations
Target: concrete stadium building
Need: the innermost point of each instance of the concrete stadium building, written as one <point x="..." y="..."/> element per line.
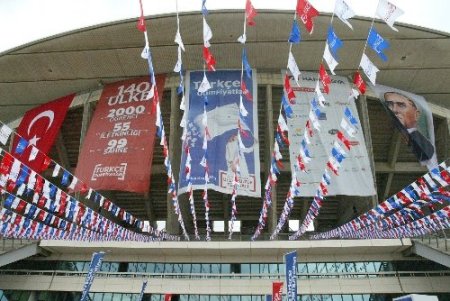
<point x="85" y="60"/>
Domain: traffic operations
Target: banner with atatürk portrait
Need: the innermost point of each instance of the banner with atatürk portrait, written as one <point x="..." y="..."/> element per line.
<point x="412" y="117"/>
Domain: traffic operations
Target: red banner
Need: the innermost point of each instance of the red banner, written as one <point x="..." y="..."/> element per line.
<point x="117" y="152"/>
<point x="277" y="291"/>
<point x="39" y="127"/>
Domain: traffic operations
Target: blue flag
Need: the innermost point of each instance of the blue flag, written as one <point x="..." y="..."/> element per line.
<point x="286" y="107"/>
<point x="204" y="10"/>
<point x="247" y="67"/>
<point x="334" y="43"/>
<point x="65" y="178"/>
<point x="377" y="43"/>
<point x="144" y="285"/>
<point x="348" y="114"/>
<point x="295" y="37"/>
<point x="291" y="275"/>
<point x="95" y="265"/>
<point x="21" y="146"/>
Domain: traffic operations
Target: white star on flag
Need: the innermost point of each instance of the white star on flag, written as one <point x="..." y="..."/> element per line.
<point x="207" y="34"/>
<point x="388" y="12"/>
<point x="328" y="57"/>
<point x="292" y="65"/>
<point x="369" y="68"/>
<point x="344" y="12"/>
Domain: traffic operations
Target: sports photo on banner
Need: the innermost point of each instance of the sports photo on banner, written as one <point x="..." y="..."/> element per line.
<point x="412" y="117"/>
<point x="355" y="175"/>
<point x="222" y="112"/>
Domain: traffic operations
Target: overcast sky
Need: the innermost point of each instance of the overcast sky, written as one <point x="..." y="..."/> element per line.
<point x="24" y="21"/>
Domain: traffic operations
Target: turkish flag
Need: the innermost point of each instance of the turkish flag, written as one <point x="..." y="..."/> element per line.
<point x="40" y="126"/>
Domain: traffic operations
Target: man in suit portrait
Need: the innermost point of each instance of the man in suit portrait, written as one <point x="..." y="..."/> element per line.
<point x="408" y="114"/>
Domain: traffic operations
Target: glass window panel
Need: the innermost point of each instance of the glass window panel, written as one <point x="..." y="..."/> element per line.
<point x="327" y="298"/>
<point x="107" y="296"/>
<point x="312" y="267"/>
<point x="224" y="298"/>
<point x="321" y="267"/>
<point x="214" y="298"/>
<point x="273" y="268"/>
<point x="256" y="298"/>
<point x="341" y="268"/>
<point x="168" y="268"/>
<point x="246" y="298"/>
<point x="235" y="298"/>
<point x="336" y="297"/>
<point x="114" y="267"/>
<point x="204" y="297"/>
<point x="206" y="268"/>
<point x="105" y="267"/>
<point x="79" y="265"/>
<point x="187" y="268"/>
<point x="177" y="267"/>
<point x="215" y="268"/>
<point x="264" y="268"/>
<point x="133" y="267"/>
<point x="194" y="298"/>
<point x="350" y="267"/>
<point x="306" y="298"/>
<point x="159" y="268"/>
<point x="281" y="268"/>
<point x="302" y="268"/>
<point x="254" y="268"/>
<point x="196" y="268"/>
<point x="331" y="267"/>
<point x="156" y="297"/>
<point x="347" y="298"/>
<point x="366" y="297"/>
<point x="245" y="268"/>
<point x="96" y="296"/>
<point x="117" y="297"/>
<point x="150" y="268"/>
<point x="226" y="268"/>
<point x="184" y="297"/>
<point x="358" y="298"/>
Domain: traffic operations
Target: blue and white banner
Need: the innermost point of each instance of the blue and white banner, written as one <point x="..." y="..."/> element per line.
<point x="290" y="260"/>
<point x="144" y="285"/>
<point x="223" y="117"/>
<point x="96" y="263"/>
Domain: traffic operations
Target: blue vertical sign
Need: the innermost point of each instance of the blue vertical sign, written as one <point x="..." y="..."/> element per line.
<point x="96" y="263"/>
<point x="144" y="285"/>
<point x="223" y="114"/>
<point x="291" y="275"/>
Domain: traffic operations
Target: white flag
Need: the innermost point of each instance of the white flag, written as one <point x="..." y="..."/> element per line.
<point x="348" y="128"/>
<point x="204" y="86"/>
<point x="33" y="153"/>
<point x="282" y="123"/>
<point x="74" y="182"/>
<point x="242" y="108"/>
<point x="388" y="12"/>
<point x="328" y="57"/>
<point x="369" y="68"/>
<point x="178" y="40"/>
<point x="5" y="131"/>
<point x="276" y="150"/>
<point x="242" y="39"/>
<point x="314" y="120"/>
<point x="344" y="12"/>
<point x="320" y="96"/>
<point x="177" y="67"/>
<point x="145" y="52"/>
<point x="56" y="170"/>
<point x="292" y="65"/>
<point x="207" y="34"/>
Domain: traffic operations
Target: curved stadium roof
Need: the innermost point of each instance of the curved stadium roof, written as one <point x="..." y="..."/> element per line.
<point x="83" y="60"/>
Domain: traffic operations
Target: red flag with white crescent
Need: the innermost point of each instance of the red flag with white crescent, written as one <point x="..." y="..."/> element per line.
<point x="40" y="126"/>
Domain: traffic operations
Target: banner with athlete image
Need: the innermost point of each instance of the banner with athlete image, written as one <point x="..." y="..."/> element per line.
<point x="222" y="119"/>
<point x="117" y="152"/>
<point x="413" y="118"/>
<point x="355" y="175"/>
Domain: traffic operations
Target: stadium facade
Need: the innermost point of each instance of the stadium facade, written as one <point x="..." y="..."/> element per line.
<point x="372" y="269"/>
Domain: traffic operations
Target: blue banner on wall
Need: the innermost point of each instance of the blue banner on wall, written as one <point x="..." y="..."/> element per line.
<point x="144" y="285"/>
<point x="291" y="275"/>
<point x="223" y="100"/>
<point x="95" y="265"/>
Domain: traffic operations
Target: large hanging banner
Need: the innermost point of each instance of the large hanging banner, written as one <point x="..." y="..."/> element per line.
<point x="413" y="118"/>
<point x="290" y="259"/>
<point x="355" y="175"/>
<point x="222" y="119"/>
<point x="117" y="152"/>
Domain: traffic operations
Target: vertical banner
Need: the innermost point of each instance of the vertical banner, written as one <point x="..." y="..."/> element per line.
<point x="290" y="260"/>
<point x="413" y="118"/>
<point x="222" y="118"/>
<point x="95" y="265"/>
<point x="355" y="176"/>
<point x="39" y="127"/>
<point x="277" y="291"/>
<point x="167" y="297"/>
<point x="117" y="152"/>
<point x="144" y="285"/>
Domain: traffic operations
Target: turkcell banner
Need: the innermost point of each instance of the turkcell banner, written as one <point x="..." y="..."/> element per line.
<point x="290" y="259"/>
<point x="95" y="265"/>
<point x="117" y="152"/>
<point x="222" y="112"/>
<point x="355" y="175"/>
<point x="413" y="118"/>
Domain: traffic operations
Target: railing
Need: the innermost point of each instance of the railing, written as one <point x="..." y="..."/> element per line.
<point x="233" y="276"/>
<point x="438" y="239"/>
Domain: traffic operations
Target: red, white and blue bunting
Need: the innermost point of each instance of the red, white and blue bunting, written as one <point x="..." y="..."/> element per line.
<point x="146" y="54"/>
<point x="71" y="182"/>
<point x="403" y="212"/>
<point x="48" y="203"/>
